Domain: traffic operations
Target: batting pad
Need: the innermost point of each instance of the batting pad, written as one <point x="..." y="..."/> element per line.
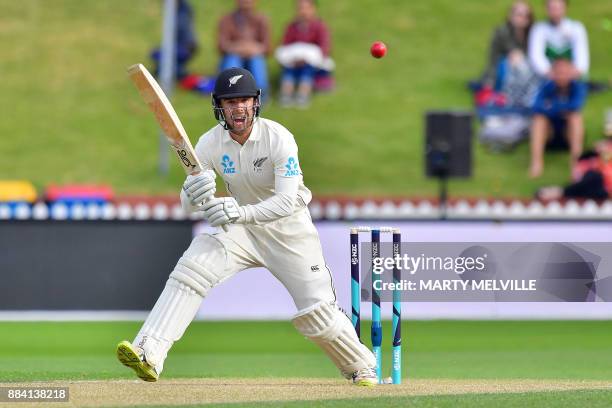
<point x="180" y="300"/>
<point x="326" y="325"/>
<point x="197" y="265"/>
<point x="172" y="313"/>
<point x="194" y="275"/>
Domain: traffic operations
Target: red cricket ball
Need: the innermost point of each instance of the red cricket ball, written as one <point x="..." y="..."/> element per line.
<point x="378" y="49"/>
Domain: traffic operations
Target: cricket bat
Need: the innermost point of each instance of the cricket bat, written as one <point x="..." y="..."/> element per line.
<point x="167" y="118"/>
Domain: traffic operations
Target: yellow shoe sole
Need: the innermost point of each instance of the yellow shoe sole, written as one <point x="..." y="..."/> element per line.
<point x="127" y="355"/>
<point x="364" y="383"/>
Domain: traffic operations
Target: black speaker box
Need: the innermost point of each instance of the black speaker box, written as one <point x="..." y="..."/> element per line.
<point x="448" y="144"/>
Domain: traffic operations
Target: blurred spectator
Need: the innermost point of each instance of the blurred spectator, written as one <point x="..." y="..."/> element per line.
<point x="186" y="41"/>
<point x="509" y="85"/>
<point x="557" y="120"/>
<point x="518" y="82"/>
<point x="304" y="51"/>
<point x="559" y="37"/>
<point x="591" y="175"/>
<point x="608" y="123"/>
<point x="512" y="36"/>
<point x="244" y="42"/>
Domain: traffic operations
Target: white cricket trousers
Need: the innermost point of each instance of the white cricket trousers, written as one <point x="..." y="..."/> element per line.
<point x="289" y="248"/>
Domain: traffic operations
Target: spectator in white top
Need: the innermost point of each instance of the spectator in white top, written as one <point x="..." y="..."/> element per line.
<point x="558" y="37"/>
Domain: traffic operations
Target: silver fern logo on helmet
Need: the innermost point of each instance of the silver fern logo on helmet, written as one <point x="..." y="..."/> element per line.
<point x="234" y="79"/>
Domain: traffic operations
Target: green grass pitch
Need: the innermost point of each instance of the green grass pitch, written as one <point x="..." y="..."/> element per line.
<point x="464" y="350"/>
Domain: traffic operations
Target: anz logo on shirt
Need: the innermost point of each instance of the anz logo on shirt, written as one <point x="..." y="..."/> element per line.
<point x="292" y="166"/>
<point x="228" y="165"/>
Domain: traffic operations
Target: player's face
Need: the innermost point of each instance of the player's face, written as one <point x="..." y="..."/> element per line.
<point x="239" y="113"/>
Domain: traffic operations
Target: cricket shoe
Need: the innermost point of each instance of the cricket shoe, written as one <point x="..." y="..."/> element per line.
<point x="366" y="377"/>
<point x="134" y="358"/>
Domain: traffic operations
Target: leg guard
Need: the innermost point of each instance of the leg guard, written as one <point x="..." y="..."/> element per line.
<point x="180" y="300"/>
<point x="326" y="325"/>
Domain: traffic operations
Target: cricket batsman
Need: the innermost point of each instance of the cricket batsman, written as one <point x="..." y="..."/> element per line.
<point x="268" y="225"/>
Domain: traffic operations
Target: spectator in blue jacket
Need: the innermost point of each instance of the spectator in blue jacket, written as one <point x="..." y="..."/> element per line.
<point x="186" y="45"/>
<point x="557" y="120"/>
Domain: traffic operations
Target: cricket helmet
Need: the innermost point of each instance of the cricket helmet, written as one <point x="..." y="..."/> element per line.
<point x="234" y="83"/>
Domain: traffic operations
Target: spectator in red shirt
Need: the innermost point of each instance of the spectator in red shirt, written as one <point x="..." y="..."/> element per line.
<point x="244" y="42"/>
<point x="305" y="50"/>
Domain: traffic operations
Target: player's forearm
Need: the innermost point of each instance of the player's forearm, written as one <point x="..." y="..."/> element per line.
<point x="280" y="205"/>
<point x="276" y="207"/>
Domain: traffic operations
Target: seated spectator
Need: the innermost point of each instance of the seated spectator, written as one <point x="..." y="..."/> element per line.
<point x="517" y="81"/>
<point x="558" y="37"/>
<point x="512" y="36"/>
<point x="244" y="42"/>
<point x="515" y="87"/>
<point x="304" y="51"/>
<point x="557" y="121"/>
<point x="509" y="85"/>
<point x="186" y="45"/>
<point x="591" y="175"/>
<point x="608" y="123"/>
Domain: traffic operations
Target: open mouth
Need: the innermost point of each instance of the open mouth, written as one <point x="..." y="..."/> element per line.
<point x="240" y="120"/>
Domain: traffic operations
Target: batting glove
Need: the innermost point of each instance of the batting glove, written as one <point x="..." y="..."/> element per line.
<point x="200" y="187"/>
<point x="222" y="210"/>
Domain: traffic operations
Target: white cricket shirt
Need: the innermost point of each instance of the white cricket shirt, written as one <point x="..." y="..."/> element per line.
<point x="253" y="172"/>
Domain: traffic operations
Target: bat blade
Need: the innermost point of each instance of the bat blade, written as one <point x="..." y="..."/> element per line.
<point x="166" y="117"/>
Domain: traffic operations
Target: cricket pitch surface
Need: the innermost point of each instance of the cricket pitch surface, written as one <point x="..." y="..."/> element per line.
<point x="120" y="393"/>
